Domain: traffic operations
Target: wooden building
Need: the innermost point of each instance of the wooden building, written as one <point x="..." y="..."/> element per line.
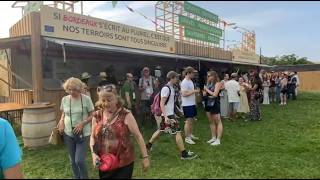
<point x="47" y="47"/>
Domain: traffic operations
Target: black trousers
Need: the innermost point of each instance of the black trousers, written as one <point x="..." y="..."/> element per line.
<point x="120" y="173"/>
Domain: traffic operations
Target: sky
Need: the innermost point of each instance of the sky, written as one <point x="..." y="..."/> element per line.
<point x="281" y="27"/>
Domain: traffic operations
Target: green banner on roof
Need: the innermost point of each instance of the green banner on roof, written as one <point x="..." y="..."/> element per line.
<point x="200" y="12"/>
<point x="185" y="21"/>
<point x="189" y="33"/>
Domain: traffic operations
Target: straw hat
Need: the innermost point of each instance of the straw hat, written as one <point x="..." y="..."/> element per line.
<point x="234" y="75"/>
<point x="103" y="74"/>
<point x="85" y="75"/>
<point x="145" y="69"/>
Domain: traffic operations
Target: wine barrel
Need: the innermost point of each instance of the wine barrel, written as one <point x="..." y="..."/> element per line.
<point x="37" y="124"/>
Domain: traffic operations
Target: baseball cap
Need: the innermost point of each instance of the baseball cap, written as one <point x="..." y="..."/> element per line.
<point x="172" y="74"/>
<point x="190" y="69"/>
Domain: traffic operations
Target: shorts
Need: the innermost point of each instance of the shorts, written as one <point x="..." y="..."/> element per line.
<point x="170" y="128"/>
<point x="233" y="106"/>
<point x="189" y="111"/>
<point x="284" y="91"/>
<point x="214" y="109"/>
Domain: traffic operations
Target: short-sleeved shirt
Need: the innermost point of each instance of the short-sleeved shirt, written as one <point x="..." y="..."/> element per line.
<point x="127" y="87"/>
<point x="232" y="88"/>
<point x="148" y="84"/>
<point x="10" y="152"/>
<point x="187" y="85"/>
<point x="170" y="105"/>
<point x="76" y="111"/>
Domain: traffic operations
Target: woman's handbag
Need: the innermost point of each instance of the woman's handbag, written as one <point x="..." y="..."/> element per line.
<point x="55" y="137"/>
<point x="259" y="95"/>
<point x="210" y="101"/>
<point x="109" y="161"/>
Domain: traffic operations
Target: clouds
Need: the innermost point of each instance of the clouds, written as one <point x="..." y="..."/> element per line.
<point x="9" y="16"/>
<point x="265" y="18"/>
<point x="121" y="14"/>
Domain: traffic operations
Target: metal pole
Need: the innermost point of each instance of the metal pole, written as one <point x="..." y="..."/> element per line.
<point x="81" y="7"/>
<point x="260" y="55"/>
<point x="224" y="35"/>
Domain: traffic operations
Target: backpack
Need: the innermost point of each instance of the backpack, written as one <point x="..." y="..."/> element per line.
<point x="155" y="107"/>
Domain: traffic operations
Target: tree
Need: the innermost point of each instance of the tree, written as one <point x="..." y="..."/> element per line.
<point x="291" y="59"/>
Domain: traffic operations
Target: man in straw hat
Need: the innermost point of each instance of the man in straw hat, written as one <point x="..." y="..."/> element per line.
<point x="233" y="89"/>
<point x="146" y="86"/>
<point x="85" y="76"/>
<point x="103" y="76"/>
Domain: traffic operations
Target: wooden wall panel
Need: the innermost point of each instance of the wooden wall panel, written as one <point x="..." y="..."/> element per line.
<point x="22" y="27"/>
<point x="308" y="81"/>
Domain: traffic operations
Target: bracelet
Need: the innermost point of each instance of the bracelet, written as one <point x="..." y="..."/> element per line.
<point x="144" y="157"/>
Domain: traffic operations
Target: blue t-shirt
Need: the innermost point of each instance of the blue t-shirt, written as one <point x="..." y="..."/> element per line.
<point x="10" y="152"/>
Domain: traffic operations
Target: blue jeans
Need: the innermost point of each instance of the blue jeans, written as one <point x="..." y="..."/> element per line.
<point x="77" y="155"/>
<point x="278" y="88"/>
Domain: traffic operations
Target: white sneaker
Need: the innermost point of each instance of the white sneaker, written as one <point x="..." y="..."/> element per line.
<point x="189" y="141"/>
<point x="216" y="143"/>
<point x="190" y="153"/>
<point x="194" y="137"/>
<point x="212" y="140"/>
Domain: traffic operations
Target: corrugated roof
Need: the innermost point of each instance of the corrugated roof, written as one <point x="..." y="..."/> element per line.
<point x="141" y="51"/>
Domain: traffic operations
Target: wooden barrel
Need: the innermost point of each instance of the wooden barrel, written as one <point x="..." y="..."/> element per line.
<point x="37" y="124"/>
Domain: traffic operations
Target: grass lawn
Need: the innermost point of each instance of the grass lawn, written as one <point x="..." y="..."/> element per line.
<point x="284" y="145"/>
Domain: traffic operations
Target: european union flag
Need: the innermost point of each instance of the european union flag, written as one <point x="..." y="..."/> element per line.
<point x="48" y="28"/>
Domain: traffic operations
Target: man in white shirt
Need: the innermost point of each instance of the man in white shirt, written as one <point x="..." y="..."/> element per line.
<point x="189" y="103"/>
<point x="233" y="89"/>
<point x="169" y="124"/>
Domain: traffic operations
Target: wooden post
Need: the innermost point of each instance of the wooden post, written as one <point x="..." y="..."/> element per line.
<point x="36" y="57"/>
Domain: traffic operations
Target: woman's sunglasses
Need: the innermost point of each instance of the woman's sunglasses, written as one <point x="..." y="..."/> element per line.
<point x="108" y="88"/>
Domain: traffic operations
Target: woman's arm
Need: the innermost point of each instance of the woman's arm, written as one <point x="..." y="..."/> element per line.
<point x="216" y="90"/>
<point x="95" y="157"/>
<point x="14" y="172"/>
<point x="133" y="128"/>
<point x="61" y="123"/>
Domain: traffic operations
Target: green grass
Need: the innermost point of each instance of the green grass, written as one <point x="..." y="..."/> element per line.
<point x="284" y="145"/>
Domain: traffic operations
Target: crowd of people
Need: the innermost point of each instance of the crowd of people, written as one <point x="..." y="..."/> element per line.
<point x="107" y="126"/>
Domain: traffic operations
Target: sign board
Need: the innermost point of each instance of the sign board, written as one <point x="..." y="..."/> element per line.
<point x="185" y="21"/>
<point x="4" y="76"/>
<point x="242" y="56"/>
<point x="200" y="36"/>
<point x="32" y="6"/>
<point x="200" y="12"/>
<point x="62" y="24"/>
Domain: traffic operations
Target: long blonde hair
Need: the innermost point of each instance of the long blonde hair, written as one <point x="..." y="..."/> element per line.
<point x="214" y="74"/>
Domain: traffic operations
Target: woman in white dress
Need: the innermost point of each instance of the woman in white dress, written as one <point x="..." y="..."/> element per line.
<point x="266" y="85"/>
<point x="224" y="105"/>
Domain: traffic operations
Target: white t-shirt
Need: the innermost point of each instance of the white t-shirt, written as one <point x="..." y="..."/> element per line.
<point x="232" y="88"/>
<point x="187" y="85"/>
<point x="298" y="82"/>
<point x="170" y="105"/>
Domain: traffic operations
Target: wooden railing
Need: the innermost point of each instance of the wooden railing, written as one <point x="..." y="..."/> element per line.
<point x="202" y="51"/>
<point x="21" y="96"/>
